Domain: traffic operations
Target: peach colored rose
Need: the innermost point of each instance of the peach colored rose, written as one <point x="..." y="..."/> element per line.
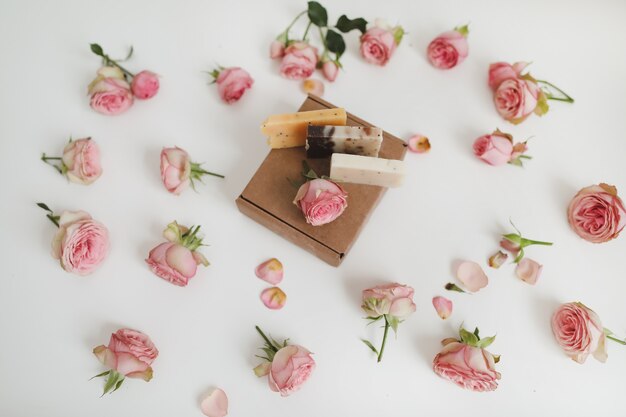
<point x="277" y="49"/>
<point x="579" y="332"/>
<point x="448" y="50"/>
<point x="516" y="99"/>
<point x="173" y="262"/>
<point x="81" y="161"/>
<point x="501" y="71"/>
<point x="129" y="353"/>
<point x="80" y="243"/>
<point x="110" y="93"/>
<point x="330" y="70"/>
<point x="467" y="366"/>
<point x="596" y="213"/>
<point x="145" y="85"/>
<point x="299" y="61"/>
<point x="495" y="149"/>
<point x="378" y="45"/>
<point x="175" y="169"/>
<point x="291" y="367"/>
<point x="232" y="83"/>
<point x="390" y="299"/>
<point x="321" y="201"/>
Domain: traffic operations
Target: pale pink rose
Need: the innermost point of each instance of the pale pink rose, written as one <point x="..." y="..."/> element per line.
<point x="472" y="276"/>
<point x="448" y="50"/>
<point x="377" y="45"/>
<point x="321" y="201"/>
<point x="501" y="71"/>
<point x="291" y="367"/>
<point x="110" y="96"/>
<point x="469" y="367"/>
<point x="495" y="149"/>
<point x="516" y="99"/>
<point x="232" y="83"/>
<point x="215" y="404"/>
<point x="173" y="262"/>
<point x="528" y="271"/>
<point x="145" y="85"/>
<point x="175" y="169"/>
<point x="270" y="271"/>
<point x="130" y="353"/>
<point x="81" y="159"/>
<point x="273" y="298"/>
<point x="277" y="49"/>
<point x="392" y="299"/>
<point x="299" y="61"/>
<point x="597" y="213"/>
<point x="330" y="70"/>
<point x="443" y="307"/>
<point x="579" y="332"/>
<point x="80" y="243"/>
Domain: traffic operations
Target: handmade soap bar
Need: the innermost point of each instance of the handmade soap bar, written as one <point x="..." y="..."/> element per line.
<point x="366" y="170"/>
<point x="289" y="130"/>
<point x="322" y="141"/>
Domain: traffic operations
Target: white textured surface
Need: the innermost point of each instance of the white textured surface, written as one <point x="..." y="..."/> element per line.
<point x="451" y="207"/>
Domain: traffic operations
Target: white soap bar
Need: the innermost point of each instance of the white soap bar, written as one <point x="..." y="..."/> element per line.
<point x="366" y="170"/>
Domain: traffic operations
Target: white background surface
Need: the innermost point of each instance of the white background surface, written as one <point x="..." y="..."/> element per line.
<point x="452" y="207"/>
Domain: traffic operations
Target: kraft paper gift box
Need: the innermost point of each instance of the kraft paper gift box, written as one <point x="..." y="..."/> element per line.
<point x="268" y="197"/>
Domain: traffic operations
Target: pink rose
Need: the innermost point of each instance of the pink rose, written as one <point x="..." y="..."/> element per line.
<point x="377" y="45"/>
<point x="467" y="366"/>
<point x="495" y="149"/>
<point x="501" y="71"/>
<point x="391" y="299"/>
<point x="145" y="85"/>
<point x="516" y="99"/>
<point x="299" y="61"/>
<point x="81" y="161"/>
<point x="596" y="213"/>
<point x="321" y="201"/>
<point x="81" y="243"/>
<point x="448" y="50"/>
<point x="110" y="93"/>
<point x="330" y="70"/>
<point x="579" y="332"/>
<point x="232" y="83"/>
<point x="291" y="367"/>
<point x="129" y="353"/>
<point x="173" y="262"/>
<point x="175" y="169"/>
<point x="277" y="49"/>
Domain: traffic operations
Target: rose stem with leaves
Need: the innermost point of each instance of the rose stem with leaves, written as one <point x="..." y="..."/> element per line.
<point x="97" y="49"/>
<point x="566" y="97"/>
<point x="54" y="219"/>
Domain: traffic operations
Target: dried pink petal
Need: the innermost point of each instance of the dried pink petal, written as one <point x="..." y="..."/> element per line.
<point x="274" y="298"/>
<point x="443" y="306"/>
<point x="509" y="246"/>
<point x="472" y="276"/>
<point x="497" y="259"/>
<point x="215" y="404"/>
<point x="311" y="86"/>
<point x="528" y="271"/>
<point x="270" y="271"/>
<point x="419" y="144"/>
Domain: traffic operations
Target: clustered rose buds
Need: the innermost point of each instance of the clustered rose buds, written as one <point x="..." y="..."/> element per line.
<point x="80" y="162"/>
<point x="232" y="83"/>
<point x="178" y="172"/>
<point x="597" y="214"/>
<point x="497" y="148"/>
<point x="449" y="49"/>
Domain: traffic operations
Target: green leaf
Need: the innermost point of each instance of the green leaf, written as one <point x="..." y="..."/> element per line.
<point x="453" y="287"/>
<point x="317" y="14"/>
<point x="45" y="207"/>
<point x="485" y="342"/>
<point x="468" y="337"/>
<point x="346" y="25"/>
<point x="393" y="322"/>
<point x="463" y="30"/>
<point x="112" y="381"/>
<point x="96" y="49"/>
<point x="542" y="104"/>
<point x="369" y="345"/>
<point x="100" y="374"/>
<point x="335" y="43"/>
<point x="476" y="332"/>
<point x="398" y="34"/>
<point x="118" y="385"/>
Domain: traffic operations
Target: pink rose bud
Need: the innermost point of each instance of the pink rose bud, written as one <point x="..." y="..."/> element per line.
<point x="330" y="69"/>
<point x="81" y="243"/>
<point x="510" y="246"/>
<point x="173" y="262"/>
<point x="378" y="45"/>
<point x="495" y="149"/>
<point x="419" y="144"/>
<point x="449" y="49"/>
<point x="175" y="169"/>
<point x="312" y="86"/>
<point x="81" y="161"/>
<point x="496" y="260"/>
<point x="390" y="299"/>
<point x="469" y="367"/>
<point x="528" y="271"/>
<point x="277" y="49"/>
<point x="579" y="332"/>
<point x="232" y="83"/>
<point x="472" y="276"/>
<point x="299" y="61"/>
<point x="291" y="367"/>
<point x="145" y="85"/>
<point x="596" y="213"/>
<point x="443" y="307"/>
<point x="270" y="271"/>
<point x="110" y="93"/>
<point x="321" y="201"/>
<point x="215" y="404"/>
<point x="273" y="298"/>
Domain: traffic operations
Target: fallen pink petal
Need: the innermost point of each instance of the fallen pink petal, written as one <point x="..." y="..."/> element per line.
<point x="419" y="144"/>
<point x="313" y="87"/>
<point x="443" y="307"/>
<point x="274" y="298"/>
<point x="270" y="271"/>
<point x="215" y="404"/>
<point x="528" y="271"/>
<point x="497" y="259"/>
<point x="472" y="276"/>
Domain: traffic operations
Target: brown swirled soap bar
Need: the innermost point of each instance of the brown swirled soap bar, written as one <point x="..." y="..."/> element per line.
<point x="323" y="141"/>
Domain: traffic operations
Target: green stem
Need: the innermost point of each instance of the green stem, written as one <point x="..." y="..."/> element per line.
<point x="267" y="340"/>
<point x="45" y="159"/>
<point x="567" y="98"/>
<point x="108" y="61"/>
<point x="527" y="242"/>
<point x="382" y="346"/>
<point x="325" y="53"/>
<point x="199" y="170"/>
<point x="293" y="22"/>
<point x="615" y="339"/>
<point x="306" y="32"/>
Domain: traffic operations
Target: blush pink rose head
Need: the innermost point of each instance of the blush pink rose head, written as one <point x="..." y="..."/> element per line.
<point x="389" y="299"/>
<point x="377" y="45"/>
<point x="175" y="169"/>
<point x="145" y="85"/>
<point x="597" y="213"/>
<point x="516" y="99"/>
<point x="467" y="366"/>
<point x="81" y="243"/>
<point x="579" y="332"/>
<point x="173" y="262"/>
<point x="299" y="61"/>
<point x="290" y="368"/>
<point x="110" y="93"/>
<point x="448" y="50"/>
<point x="130" y="353"/>
<point x="232" y="83"/>
<point x="81" y="160"/>
<point x="321" y="201"/>
<point x="495" y="149"/>
<point x="277" y="49"/>
<point x="500" y="71"/>
<point x="330" y="70"/>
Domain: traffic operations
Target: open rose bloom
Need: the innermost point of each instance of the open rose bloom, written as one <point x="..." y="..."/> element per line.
<point x="449" y="49"/>
<point x="232" y="83"/>
<point x="321" y="201"/>
<point x="389" y="299"/>
<point x="579" y="332"/>
<point x="379" y="43"/>
<point x="597" y="214"/>
<point x="81" y="161"/>
<point x="110" y="92"/>
<point x="299" y="61"/>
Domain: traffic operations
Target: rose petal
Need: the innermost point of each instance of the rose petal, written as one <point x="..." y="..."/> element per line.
<point x="528" y="271"/>
<point x="472" y="276"/>
<point x="313" y="87"/>
<point x="497" y="259"/>
<point x="274" y="298"/>
<point x="419" y="144"/>
<point x="270" y="271"/>
<point x="215" y="404"/>
<point x="443" y="307"/>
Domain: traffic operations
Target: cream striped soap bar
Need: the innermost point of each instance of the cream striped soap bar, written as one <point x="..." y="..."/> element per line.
<point x="322" y="141"/>
<point x="366" y="170"/>
<point x="289" y="130"/>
